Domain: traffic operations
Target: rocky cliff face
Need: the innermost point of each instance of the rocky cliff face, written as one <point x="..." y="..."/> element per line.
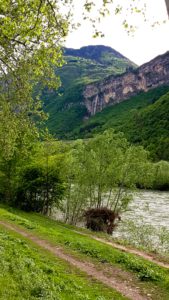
<point x="115" y="89"/>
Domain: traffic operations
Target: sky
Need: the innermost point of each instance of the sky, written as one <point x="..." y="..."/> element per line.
<point x="144" y="44"/>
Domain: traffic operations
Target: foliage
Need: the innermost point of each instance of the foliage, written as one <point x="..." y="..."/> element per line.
<point x="30" y="41"/>
<point x="150" y="127"/>
<point x="100" y="171"/>
<point x="17" y="137"/>
<point x="33" y="181"/>
<point x="39" y="191"/>
<point x="161" y="175"/>
<point x="31" y="33"/>
<point x="40" y="185"/>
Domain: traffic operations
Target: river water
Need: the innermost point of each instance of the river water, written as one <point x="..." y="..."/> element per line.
<point x="150" y="206"/>
<point x="147" y="207"/>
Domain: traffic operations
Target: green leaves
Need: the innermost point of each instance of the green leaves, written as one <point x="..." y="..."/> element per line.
<point x="101" y="172"/>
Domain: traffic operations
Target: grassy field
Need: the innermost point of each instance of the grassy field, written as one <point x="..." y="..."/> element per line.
<point x="28" y="272"/>
<point x="148" y="275"/>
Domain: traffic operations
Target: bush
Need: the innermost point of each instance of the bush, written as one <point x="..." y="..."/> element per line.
<point x="39" y="191"/>
<point x="101" y="219"/>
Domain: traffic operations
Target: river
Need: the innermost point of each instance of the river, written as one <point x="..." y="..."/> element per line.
<point x="150" y="206"/>
<point x="147" y="208"/>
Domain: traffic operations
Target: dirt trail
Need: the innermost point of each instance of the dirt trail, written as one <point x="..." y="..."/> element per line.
<point x="128" y="250"/>
<point x="115" y="278"/>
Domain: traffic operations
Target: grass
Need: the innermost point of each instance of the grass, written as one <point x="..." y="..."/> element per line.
<point x="84" y="247"/>
<point x="28" y="272"/>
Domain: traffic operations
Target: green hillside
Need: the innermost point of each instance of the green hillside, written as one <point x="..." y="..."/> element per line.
<point x="30" y="272"/>
<point x="150" y="127"/>
<point x="88" y="64"/>
<point x="143" y="119"/>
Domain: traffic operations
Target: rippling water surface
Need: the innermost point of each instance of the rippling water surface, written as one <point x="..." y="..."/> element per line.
<point x="151" y="206"/>
<point x="147" y="208"/>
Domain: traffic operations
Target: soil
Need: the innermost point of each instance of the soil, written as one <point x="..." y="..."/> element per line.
<point x="113" y="277"/>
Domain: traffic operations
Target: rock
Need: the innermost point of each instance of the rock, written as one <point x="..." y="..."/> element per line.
<point x="115" y="89"/>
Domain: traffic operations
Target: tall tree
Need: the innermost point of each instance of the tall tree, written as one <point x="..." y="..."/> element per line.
<point x="31" y="36"/>
<point x="102" y="172"/>
<point x="32" y="33"/>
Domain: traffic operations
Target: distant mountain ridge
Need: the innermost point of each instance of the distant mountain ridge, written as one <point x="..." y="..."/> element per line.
<point x="94" y="52"/>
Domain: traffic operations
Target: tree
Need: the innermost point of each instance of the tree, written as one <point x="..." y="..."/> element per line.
<point x="102" y="172"/>
<point x="75" y="190"/>
<point x="161" y="175"/>
<point x="35" y="193"/>
<point x="17" y="138"/>
<point x="31" y="39"/>
<point x="32" y="34"/>
<point x="40" y="186"/>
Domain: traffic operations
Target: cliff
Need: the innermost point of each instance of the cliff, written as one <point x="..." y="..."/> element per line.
<point x="115" y="89"/>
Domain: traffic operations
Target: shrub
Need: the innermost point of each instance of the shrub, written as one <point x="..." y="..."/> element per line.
<point x="101" y="219"/>
<point x="39" y="191"/>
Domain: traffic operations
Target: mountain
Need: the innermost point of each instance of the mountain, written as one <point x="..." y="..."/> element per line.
<point x="101" y="54"/>
<point x="115" y="89"/>
<point x="150" y="127"/>
<point x="84" y="66"/>
<point x="92" y="100"/>
<point x="143" y="119"/>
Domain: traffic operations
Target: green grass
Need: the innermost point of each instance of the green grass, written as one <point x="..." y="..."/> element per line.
<point x="28" y="272"/>
<point x="85" y="247"/>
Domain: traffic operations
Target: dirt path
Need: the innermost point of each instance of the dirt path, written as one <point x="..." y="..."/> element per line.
<point x="112" y="277"/>
<point x="128" y="250"/>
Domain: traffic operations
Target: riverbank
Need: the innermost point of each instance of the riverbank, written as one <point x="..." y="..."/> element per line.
<point x="137" y="274"/>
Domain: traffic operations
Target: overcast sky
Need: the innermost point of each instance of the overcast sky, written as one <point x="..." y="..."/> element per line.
<point x="147" y="41"/>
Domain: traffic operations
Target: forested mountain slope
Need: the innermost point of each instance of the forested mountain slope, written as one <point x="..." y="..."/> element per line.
<point x="87" y="65"/>
<point x="150" y="127"/>
<point x="94" y="96"/>
<point x="143" y="118"/>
